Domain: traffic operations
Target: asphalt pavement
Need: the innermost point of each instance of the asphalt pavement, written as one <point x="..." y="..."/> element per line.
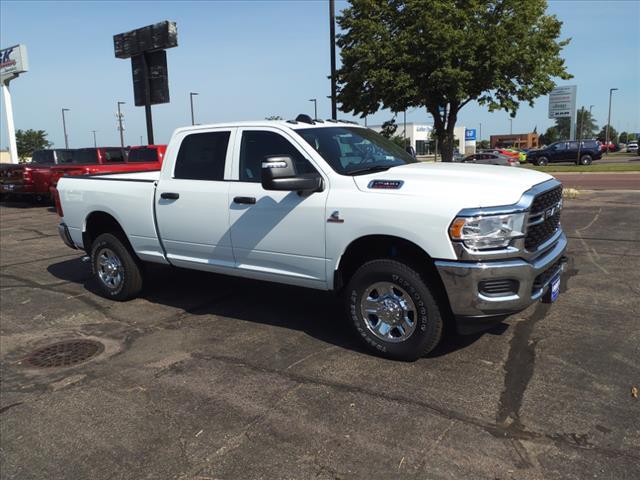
<point x="208" y="377"/>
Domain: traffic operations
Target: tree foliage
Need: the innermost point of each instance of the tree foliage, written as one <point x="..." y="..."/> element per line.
<point x="28" y="141"/>
<point x="550" y="136"/>
<point x="613" y="134"/>
<point x="623" y="137"/>
<point x="443" y="54"/>
<point x="389" y="128"/>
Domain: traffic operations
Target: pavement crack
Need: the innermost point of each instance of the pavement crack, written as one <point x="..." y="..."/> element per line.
<point x="518" y="370"/>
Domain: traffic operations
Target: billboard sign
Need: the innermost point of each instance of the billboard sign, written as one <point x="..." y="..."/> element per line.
<point x="562" y="102"/>
<point x="13" y="61"/>
<point x="470" y="134"/>
<point x="158" y="36"/>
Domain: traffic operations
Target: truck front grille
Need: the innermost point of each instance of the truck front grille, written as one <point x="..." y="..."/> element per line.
<point x="544" y="218"/>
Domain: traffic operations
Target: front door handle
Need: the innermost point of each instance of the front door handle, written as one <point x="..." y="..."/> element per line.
<point x="245" y="200"/>
<point x="170" y="195"/>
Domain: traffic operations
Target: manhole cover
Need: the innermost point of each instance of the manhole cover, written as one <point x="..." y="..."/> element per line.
<point x="64" y="354"/>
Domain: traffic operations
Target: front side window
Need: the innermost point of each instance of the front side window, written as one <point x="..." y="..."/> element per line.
<point x="573" y="145"/>
<point x="353" y="150"/>
<point x="258" y="144"/>
<point x="560" y="146"/>
<point x="202" y="156"/>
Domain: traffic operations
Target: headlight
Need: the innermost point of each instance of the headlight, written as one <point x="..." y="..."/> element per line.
<point x="484" y="233"/>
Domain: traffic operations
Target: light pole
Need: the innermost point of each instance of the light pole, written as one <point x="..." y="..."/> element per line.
<point x="120" y="125"/>
<point x="480" y="132"/>
<point x="191" y="95"/>
<point x="315" y="108"/>
<point x="510" y="126"/>
<point x="140" y="139"/>
<point x="64" y="128"/>
<point x="606" y="151"/>
<point x="332" y="38"/>
<point x="95" y="143"/>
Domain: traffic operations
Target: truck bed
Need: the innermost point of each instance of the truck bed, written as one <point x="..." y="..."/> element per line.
<point x="127" y="197"/>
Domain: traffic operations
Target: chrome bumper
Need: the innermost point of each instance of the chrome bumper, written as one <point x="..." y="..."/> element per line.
<point x="462" y="280"/>
<point x="63" y="231"/>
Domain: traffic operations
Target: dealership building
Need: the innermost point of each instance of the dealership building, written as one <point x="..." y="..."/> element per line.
<point x="419" y="136"/>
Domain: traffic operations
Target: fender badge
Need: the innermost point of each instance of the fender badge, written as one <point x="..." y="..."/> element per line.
<point x="335" y="217"/>
<point x="386" y="184"/>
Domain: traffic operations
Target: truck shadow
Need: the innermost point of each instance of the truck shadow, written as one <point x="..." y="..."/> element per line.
<point x="319" y="314"/>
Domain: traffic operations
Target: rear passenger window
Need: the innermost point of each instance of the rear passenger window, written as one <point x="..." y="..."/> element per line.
<point x="202" y="156"/>
<point x="573" y="145"/>
<point x="256" y="145"/>
<point x="114" y="156"/>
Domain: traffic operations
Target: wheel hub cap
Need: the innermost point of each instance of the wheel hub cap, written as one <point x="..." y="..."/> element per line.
<point x="109" y="268"/>
<point x="388" y="312"/>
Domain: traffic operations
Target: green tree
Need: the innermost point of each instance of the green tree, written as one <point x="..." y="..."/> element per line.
<point x="483" y="144"/>
<point x="551" y="135"/>
<point x="389" y="128"/>
<point x="613" y="134"/>
<point x="28" y="141"/>
<point x="623" y="137"/>
<point x="443" y="54"/>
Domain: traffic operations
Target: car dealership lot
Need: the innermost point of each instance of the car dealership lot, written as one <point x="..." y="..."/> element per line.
<point x="208" y="377"/>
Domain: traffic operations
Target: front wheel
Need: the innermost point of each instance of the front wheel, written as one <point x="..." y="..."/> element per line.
<point x="585" y="160"/>
<point x="393" y="310"/>
<point x="117" y="271"/>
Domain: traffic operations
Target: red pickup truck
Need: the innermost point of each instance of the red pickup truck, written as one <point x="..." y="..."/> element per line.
<point x="89" y="161"/>
<point x="32" y="179"/>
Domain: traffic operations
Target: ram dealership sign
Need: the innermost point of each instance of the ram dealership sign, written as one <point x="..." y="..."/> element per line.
<point x="562" y="102"/>
<point x="13" y="61"/>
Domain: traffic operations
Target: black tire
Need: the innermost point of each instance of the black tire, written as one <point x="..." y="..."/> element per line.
<point x="542" y="161"/>
<point x="130" y="270"/>
<point x="585" y="160"/>
<point x="427" y="318"/>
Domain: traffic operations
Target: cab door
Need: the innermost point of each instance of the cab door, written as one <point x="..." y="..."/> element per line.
<point x="276" y="235"/>
<point x="192" y="201"/>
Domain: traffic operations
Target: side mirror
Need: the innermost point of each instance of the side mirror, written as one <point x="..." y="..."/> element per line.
<point x="278" y="172"/>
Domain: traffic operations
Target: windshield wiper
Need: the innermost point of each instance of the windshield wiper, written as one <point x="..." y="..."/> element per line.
<point x="372" y="169"/>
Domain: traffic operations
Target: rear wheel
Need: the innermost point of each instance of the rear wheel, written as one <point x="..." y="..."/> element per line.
<point x="393" y="310"/>
<point x="585" y="160"/>
<point x="117" y="271"/>
<point x="542" y="161"/>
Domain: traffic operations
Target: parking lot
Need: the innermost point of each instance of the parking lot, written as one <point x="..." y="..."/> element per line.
<point x="208" y="377"/>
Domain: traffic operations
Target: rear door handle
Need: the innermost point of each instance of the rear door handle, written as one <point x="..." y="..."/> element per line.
<point x="170" y="196"/>
<point x="245" y="200"/>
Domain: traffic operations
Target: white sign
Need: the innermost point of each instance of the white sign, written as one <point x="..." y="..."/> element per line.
<point x="562" y="102"/>
<point x="13" y="61"/>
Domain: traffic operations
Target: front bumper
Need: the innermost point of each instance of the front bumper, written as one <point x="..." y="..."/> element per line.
<point x="462" y="281"/>
<point x="63" y="231"/>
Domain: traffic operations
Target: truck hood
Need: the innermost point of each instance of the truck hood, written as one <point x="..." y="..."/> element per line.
<point x="472" y="185"/>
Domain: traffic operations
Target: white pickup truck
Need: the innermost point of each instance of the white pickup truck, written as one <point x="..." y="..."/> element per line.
<point x="331" y="206"/>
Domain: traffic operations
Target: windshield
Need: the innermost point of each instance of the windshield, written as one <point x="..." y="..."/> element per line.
<point x="353" y="150"/>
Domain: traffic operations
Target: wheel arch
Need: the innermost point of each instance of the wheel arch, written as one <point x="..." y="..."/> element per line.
<point x="370" y="247"/>
<point x="99" y="222"/>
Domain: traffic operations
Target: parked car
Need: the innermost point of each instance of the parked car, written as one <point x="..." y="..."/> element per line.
<point x="88" y="161"/>
<point x="491" y="159"/>
<point x="32" y="179"/>
<point x="580" y="153"/>
<point x="611" y="147"/>
<point x="632" y="147"/>
<point x="331" y="206"/>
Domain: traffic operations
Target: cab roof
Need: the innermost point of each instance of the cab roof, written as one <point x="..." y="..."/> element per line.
<point x="289" y="124"/>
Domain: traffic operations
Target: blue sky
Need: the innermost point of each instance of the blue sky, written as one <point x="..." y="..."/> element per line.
<point x="251" y="59"/>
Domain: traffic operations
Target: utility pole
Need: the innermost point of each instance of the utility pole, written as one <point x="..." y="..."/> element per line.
<point x="64" y="128"/>
<point x="480" y="132"/>
<point x="606" y="151"/>
<point x="191" y="94"/>
<point x="95" y="143"/>
<point x="404" y="126"/>
<point x="332" y="34"/>
<point x="510" y="126"/>
<point x="365" y="120"/>
<point x="120" y="125"/>
<point x="140" y="139"/>
<point x="315" y="108"/>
